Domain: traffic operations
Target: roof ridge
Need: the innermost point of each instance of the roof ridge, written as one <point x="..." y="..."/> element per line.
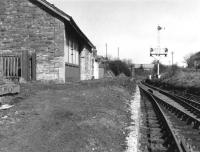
<point x="53" y="6"/>
<point x="67" y="17"/>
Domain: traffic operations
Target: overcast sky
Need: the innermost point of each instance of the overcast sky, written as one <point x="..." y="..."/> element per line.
<point x="132" y="26"/>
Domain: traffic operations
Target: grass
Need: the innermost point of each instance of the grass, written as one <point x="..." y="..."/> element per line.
<point x="78" y="117"/>
<point x="183" y="78"/>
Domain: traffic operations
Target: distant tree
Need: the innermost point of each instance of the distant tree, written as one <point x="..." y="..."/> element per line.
<point x="141" y="67"/>
<point x="118" y="67"/>
<point x="189" y="60"/>
<point x="162" y="67"/>
<point x="109" y="57"/>
<point x="128" y="61"/>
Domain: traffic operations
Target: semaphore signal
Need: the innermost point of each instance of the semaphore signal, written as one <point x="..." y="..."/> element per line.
<point x="158" y="51"/>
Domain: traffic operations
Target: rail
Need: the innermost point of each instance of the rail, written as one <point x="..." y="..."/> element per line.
<point x="190" y="105"/>
<point x="174" y="144"/>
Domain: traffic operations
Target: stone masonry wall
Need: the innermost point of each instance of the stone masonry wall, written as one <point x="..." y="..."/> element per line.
<point x="25" y="26"/>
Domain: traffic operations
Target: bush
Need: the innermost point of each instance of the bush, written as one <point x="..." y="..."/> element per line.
<point x="163" y="68"/>
<point x="118" y="67"/>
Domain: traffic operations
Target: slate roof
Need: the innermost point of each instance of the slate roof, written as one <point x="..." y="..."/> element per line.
<point x="65" y="17"/>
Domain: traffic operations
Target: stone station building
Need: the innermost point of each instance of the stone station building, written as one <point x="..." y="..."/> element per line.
<point x="49" y="44"/>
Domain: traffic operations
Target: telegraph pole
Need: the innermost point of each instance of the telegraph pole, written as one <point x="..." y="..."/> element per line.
<point x="106" y="51"/>
<point x="172" y="58"/>
<point x="118" y="52"/>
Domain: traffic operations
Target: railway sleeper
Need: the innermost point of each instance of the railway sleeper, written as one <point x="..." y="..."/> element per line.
<point x="189" y="101"/>
<point x="167" y="132"/>
<point x="196" y="125"/>
<point x="192" y="106"/>
<point x="181" y="115"/>
<point x="187" y="118"/>
<point x="152" y="135"/>
<point x="189" y="106"/>
<point x="184" y="117"/>
<point x="168" y="137"/>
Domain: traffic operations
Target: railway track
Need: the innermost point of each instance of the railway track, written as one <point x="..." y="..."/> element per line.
<point x="183" y="114"/>
<point x="188" y="104"/>
<point x="188" y="96"/>
<point x="158" y="130"/>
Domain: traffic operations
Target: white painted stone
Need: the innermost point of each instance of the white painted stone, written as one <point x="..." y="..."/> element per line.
<point x="5" y="106"/>
<point x="132" y="139"/>
<point x="96" y="70"/>
<point x="86" y="64"/>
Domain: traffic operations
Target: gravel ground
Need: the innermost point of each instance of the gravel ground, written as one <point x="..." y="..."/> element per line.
<point x="75" y="117"/>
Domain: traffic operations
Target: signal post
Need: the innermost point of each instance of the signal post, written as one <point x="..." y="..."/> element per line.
<point x="157" y="52"/>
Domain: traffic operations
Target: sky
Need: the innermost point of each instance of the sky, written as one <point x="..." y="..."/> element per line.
<point x="131" y="25"/>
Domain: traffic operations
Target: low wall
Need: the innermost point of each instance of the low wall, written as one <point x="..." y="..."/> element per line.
<point x="9" y="89"/>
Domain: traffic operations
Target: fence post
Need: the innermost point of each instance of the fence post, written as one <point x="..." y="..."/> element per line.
<point x="8" y="66"/>
<point x="1" y="68"/>
<point x="33" y="65"/>
<point x="24" y="64"/>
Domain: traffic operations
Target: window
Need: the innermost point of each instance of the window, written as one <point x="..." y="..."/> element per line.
<point x="76" y="54"/>
<point x="77" y="58"/>
<point x="67" y="51"/>
<point x="72" y="53"/>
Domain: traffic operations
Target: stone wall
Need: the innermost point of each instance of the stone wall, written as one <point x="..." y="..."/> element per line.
<point x="25" y="26"/>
